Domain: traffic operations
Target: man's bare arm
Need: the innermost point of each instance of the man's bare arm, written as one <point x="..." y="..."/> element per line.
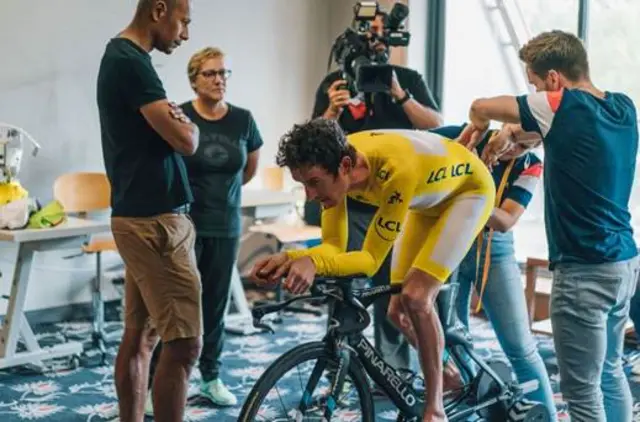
<point x="503" y="108"/>
<point x="177" y="130"/>
<point x="420" y="116"/>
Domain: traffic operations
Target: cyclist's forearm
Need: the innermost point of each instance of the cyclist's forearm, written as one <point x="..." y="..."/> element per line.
<point x="325" y="249"/>
<point x="345" y="264"/>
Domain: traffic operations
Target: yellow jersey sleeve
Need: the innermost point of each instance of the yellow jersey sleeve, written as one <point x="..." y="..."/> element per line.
<point x="381" y="234"/>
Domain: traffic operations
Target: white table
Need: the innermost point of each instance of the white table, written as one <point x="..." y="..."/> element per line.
<point x="256" y="204"/>
<point x="70" y="234"/>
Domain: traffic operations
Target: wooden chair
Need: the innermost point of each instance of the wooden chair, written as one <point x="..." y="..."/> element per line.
<point x="81" y="194"/>
<point x="273" y="178"/>
<point x="538" y="297"/>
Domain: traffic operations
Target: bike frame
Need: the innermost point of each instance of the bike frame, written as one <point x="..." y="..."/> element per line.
<point x="402" y="393"/>
<point x="348" y="317"/>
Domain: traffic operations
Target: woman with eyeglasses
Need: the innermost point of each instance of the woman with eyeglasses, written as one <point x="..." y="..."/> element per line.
<point x="226" y="159"/>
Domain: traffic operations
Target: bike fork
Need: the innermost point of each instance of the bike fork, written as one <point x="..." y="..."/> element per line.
<point x="337" y="385"/>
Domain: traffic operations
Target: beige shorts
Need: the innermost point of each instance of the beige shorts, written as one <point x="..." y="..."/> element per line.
<point x="162" y="282"/>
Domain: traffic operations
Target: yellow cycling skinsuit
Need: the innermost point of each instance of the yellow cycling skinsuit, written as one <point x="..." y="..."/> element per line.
<point x="432" y="194"/>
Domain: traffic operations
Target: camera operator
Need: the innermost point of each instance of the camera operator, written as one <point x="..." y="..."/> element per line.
<point x="408" y="105"/>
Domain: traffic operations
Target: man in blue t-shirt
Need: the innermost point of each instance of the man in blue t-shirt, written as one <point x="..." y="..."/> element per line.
<point x="590" y="140"/>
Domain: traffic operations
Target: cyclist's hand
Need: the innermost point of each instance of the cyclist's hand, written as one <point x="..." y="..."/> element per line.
<point x="301" y="275"/>
<point x="264" y="269"/>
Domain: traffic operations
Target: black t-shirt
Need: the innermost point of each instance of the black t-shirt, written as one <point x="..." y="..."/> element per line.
<point x="147" y="175"/>
<point x="216" y="169"/>
<point x="385" y="114"/>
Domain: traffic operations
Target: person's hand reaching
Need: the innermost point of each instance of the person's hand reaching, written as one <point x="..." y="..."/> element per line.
<point x="471" y="136"/>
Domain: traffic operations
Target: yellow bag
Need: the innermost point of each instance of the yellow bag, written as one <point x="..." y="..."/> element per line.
<point x="50" y="215"/>
<point x="11" y="191"/>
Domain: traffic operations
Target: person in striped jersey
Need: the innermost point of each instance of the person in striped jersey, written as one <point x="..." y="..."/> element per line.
<point x="516" y="177"/>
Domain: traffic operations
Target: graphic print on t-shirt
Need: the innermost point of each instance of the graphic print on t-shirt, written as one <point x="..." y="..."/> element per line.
<point x="215" y="149"/>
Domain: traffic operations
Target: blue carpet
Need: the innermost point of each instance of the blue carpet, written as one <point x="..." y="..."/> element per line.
<point x="87" y="393"/>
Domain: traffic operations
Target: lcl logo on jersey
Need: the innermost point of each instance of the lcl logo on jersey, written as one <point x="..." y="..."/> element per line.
<point x="455" y="170"/>
<point x="387" y="229"/>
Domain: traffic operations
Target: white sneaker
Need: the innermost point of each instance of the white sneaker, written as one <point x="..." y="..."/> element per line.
<point x="218" y="394"/>
<point x="148" y="405"/>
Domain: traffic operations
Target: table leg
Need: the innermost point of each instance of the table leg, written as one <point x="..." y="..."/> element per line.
<point x="13" y="319"/>
<point x="15" y="323"/>
<point x="240" y="321"/>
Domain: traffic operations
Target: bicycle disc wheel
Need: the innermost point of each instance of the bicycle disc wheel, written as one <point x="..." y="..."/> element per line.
<point x="309" y="352"/>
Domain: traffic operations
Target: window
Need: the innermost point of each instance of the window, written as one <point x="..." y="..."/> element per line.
<point x="545" y="15"/>
<point x="481" y="60"/>
<point x="612" y="40"/>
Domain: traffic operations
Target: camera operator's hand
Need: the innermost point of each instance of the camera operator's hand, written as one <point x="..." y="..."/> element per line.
<point x="338" y="98"/>
<point x="397" y="93"/>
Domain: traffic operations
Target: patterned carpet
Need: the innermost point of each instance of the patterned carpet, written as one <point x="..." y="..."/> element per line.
<point x="87" y="393"/>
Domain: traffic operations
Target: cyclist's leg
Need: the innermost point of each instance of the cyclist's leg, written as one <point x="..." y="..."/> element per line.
<point x="405" y="251"/>
<point x="414" y="311"/>
<point x="415" y="231"/>
<point x="446" y="244"/>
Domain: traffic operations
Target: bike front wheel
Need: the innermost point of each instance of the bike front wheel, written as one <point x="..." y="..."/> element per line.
<point x="309" y="353"/>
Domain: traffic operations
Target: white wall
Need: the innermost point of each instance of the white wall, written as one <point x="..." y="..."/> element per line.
<point x="50" y="55"/>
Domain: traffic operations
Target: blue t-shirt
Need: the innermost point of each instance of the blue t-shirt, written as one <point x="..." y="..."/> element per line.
<point x="520" y="186"/>
<point x="590" y="148"/>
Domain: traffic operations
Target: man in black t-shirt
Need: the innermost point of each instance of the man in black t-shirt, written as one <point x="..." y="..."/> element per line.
<point x="226" y="159"/>
<point x="143" y="139"/>
<point x="409" y="105"/>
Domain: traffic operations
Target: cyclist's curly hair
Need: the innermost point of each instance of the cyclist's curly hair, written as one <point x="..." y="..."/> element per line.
<point x="318" y="142"/>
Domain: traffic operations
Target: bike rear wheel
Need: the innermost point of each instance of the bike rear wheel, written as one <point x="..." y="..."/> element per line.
<point x="308" y="352"/>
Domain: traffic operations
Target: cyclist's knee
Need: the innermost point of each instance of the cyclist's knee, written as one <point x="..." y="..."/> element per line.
<point x="419" y="292"/>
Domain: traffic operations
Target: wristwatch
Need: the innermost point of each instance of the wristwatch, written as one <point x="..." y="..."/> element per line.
<point x="407" y="97"/>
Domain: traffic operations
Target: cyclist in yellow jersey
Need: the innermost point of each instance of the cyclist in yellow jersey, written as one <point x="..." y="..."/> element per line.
<point x="433" y="198"/>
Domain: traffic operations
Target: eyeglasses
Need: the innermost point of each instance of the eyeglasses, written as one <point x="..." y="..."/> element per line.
<point x="211" y="74"/>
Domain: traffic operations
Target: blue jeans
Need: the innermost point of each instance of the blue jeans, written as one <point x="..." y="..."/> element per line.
<point x="505" y="306"/>
<point x="634" y="310"/>
<point x="589" y="309"/>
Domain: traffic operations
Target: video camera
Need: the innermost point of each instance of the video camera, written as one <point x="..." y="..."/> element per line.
<point x="366" y="69"/>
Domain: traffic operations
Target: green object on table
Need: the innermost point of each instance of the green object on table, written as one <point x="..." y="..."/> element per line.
<point x="50" y="215"/>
